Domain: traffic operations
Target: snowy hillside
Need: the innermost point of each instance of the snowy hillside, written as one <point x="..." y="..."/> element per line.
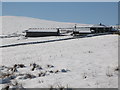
<point x="17" y="24"/>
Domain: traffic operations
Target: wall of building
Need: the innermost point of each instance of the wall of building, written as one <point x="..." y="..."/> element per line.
<point x="41" y="34"/>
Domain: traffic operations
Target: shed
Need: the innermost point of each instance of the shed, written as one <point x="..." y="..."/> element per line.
<point x="81" y="30"/>
<point x="42" y="33"/>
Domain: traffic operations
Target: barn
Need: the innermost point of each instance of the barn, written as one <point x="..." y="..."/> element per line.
<point x="42" y="32"/>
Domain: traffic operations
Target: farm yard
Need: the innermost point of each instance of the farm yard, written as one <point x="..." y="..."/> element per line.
<point x="90" y="62"/>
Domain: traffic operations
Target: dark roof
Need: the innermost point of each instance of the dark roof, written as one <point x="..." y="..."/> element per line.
<point x="99" y="25"/>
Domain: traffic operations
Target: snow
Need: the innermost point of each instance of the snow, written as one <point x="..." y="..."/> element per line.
<point x="22" y="39"/>
<point x="17" y="24"/>
<point x="90" y="56"/>
<point x="82" y="62"/>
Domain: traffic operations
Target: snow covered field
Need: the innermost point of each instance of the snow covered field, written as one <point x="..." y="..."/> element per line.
<point x="90" y="62"/>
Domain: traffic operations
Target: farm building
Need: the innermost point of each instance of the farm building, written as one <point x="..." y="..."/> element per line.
<point x="100" y="28"/>
<point x="77" y="30"/>
<point x="42" y="32"/>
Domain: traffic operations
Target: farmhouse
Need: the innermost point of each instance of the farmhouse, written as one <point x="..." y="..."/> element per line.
<point x="41" y="32"/>
<point x="100" y="28"/>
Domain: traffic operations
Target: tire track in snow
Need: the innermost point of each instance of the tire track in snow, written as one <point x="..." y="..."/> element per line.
<point x="37" y="42"/>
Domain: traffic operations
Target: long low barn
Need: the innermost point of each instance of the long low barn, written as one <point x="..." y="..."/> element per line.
<point x="42" y="33"/>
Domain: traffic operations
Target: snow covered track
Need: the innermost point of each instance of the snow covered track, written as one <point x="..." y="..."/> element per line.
<point x="46" y="41"/>
<point x="38" y="42"/>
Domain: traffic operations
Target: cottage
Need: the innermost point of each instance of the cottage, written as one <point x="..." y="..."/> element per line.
<point x="42" y="33"/>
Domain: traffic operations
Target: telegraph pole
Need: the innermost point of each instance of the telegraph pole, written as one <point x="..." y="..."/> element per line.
<point x="75" y="27"/>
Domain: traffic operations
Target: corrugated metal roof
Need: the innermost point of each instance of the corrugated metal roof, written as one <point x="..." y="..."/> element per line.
<point x="84" y="26"/>
<point x="41" y="30"/>
<point x="84" y="31"/>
